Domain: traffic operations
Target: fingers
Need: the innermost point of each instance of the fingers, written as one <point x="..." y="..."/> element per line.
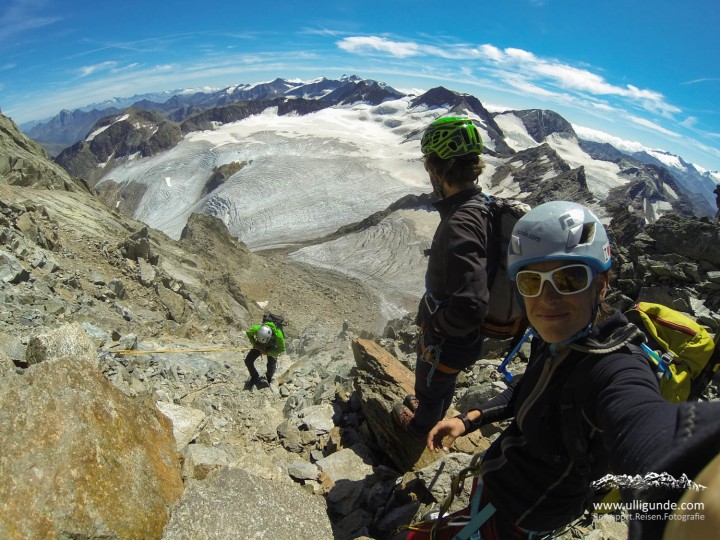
<point x="435" y="438"/>
<point x="447" y="429"/>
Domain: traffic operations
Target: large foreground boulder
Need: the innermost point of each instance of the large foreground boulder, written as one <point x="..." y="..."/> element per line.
<point x="79" y="459"/>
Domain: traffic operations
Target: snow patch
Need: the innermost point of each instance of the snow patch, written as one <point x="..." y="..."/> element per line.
<point x="669" y="160"/>
<point x="100" y="130"/>
<point x="516" y="134"/>
<point x="602" y="176"/>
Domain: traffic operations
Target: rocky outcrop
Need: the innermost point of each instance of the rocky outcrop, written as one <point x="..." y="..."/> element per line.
<point x="381" y="382"/>
<point x="672" y="262"/>
<point x="220" y="176"/>
<point x="543" y="176"/>
<point x="85" y="263"/>
<point x="542" y="123"/>
<point x="231" y="503"/>
<point x="567" y="186"/>
<point x="24" y="163"/>
<point x="136" y="131"/>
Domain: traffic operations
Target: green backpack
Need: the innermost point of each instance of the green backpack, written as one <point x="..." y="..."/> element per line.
<point x="684" y="353"/>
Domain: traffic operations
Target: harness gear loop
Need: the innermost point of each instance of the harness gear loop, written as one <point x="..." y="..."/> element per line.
<point x="433" y="351"/>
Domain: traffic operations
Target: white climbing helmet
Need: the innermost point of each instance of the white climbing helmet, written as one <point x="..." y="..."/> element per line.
<point x="559" y="231"/>
<point x="264" y="334"/>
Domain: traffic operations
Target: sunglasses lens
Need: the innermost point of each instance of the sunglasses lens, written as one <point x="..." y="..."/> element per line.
<point x="528" y="282"/>
<point x="571" y="279"/>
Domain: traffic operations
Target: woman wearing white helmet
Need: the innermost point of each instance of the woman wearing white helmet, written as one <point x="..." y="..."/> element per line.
<point x="570" y="427"/>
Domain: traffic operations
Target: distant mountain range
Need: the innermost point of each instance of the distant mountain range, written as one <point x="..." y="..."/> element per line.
<point x="91" y="141"/>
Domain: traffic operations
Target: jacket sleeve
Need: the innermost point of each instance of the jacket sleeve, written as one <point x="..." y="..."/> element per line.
<point x="251" y="333"/>
<point x="644" y="433"/>
<point x="640" y="429"/>
<point x="499" y="408"/>
<point x="279" y="345"/>
<point x="466" y="275"/>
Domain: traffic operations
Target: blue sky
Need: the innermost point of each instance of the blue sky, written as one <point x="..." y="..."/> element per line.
<point x="646" y="72"/>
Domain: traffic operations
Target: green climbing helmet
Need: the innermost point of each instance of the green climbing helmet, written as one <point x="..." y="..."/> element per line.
<point x="451" y="136"/>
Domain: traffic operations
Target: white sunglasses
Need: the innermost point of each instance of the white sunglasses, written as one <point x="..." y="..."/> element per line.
<point x="570" y="279"/>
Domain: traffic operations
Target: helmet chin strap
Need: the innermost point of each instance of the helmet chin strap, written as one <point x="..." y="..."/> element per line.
<point x="579" y="335"/>
<point x="584" y="331"/>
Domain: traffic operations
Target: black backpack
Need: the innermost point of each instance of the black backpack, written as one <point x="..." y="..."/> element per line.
<point x="505" y="318"/>
<point x="277" y="320"/>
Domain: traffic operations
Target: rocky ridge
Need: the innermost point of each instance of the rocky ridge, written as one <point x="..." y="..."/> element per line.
<point x="111" y="331"/>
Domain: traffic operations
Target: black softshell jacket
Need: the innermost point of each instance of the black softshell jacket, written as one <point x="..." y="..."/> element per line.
<point x="631" y="428"/>
<point x="456" y="275"/>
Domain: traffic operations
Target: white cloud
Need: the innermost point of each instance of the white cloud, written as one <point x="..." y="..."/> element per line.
<point x="525" y="86"/>
<point x="491" y="52"/>
<point x="603" y="107"/>
<point x="89" y="70"/>
<point x="595" y="135"/>
<point x="362" y="44"/>
<point x="652" y="125"/>
<point x="542" y="76"/>
<point x="19" y="17"/>
<point x="705" y="79"/>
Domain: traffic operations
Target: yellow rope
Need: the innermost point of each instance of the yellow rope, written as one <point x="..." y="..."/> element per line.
<point x="165" y="351"/>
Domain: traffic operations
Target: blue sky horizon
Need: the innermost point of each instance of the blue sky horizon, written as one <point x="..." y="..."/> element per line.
<point x="634" y="75"/>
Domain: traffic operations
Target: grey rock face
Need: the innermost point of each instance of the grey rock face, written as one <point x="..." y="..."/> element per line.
<point x="230" y="503"/>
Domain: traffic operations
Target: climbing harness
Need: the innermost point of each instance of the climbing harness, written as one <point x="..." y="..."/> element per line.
<point x="431" y="353"/>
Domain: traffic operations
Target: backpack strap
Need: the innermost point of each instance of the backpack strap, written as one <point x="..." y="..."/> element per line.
<point x="478" y="516"/>
<point x="484" y="202"/>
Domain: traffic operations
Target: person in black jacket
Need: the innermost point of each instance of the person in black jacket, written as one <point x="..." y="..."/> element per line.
<point x="716" y="191"/>
<point x="582" y="369"/>
<point x="456" y="294"/>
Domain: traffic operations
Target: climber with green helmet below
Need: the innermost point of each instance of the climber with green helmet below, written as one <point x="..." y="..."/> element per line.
<point x="456" y="294"/>
<point x="586" y="405"/>
<point x="266" y="338"/>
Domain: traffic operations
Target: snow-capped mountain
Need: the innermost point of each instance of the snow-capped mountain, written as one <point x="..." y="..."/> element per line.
<point x="286" y="164"/>
<point x="260" y="124"/>
<point x="178" y="105"/>
<point x="288" y="172"/>
<point x="692" y="178"/>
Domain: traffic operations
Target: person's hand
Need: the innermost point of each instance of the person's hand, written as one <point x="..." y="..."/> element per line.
<point x="448" y="429"/>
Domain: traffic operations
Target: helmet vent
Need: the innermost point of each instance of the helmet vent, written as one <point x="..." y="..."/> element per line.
<point x="588" y="233"/>
<point x="581" y="234"/>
